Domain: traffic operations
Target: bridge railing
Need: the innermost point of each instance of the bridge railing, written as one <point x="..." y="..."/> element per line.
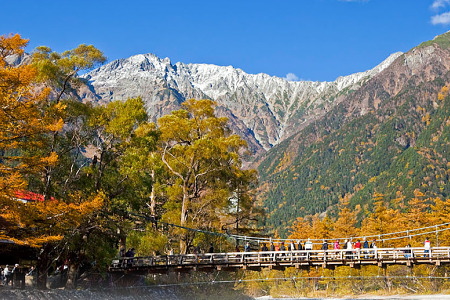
<point x="284" y="257"/>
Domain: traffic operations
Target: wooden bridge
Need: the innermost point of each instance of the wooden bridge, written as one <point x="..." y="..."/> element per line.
<point x="301" y="259"/>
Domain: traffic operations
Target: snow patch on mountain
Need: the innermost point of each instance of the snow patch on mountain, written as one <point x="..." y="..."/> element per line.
<point x="271" y="108"/>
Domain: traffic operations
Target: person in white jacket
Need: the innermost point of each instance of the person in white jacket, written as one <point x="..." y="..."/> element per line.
<point x="7" y="274"/>
<point x="427" y="247"/>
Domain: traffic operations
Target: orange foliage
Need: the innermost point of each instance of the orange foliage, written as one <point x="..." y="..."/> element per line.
<point x="25" y="119"/>
<point x="419" y="212"/>
<point x="36" y="223"/>
<point x="22" y="122"/>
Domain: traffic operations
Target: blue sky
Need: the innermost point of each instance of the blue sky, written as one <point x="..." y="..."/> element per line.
<point x="309" y="39"/>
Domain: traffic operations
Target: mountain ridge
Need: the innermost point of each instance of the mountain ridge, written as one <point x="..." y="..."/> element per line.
<point x="263" y="109"/>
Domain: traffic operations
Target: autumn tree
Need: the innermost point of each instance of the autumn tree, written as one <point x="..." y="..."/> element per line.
<point x="22" y="124"/>
<point x="345" y="224"/>
<point x="301" y="228"/>
<point x="31" y="122"/>
<point x="203" y="159"/>
<point x="440" y="214"/>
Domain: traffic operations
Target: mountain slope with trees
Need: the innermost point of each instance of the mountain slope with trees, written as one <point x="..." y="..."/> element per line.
<point x="389" y="137"/>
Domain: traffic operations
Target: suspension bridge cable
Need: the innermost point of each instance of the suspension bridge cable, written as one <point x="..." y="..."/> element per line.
<point x="382" y="236"/>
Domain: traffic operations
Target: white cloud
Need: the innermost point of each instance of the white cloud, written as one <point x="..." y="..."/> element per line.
<point x="291" y="77"/>
<point x="439" y="3"/>
<point x="443" y="19"/>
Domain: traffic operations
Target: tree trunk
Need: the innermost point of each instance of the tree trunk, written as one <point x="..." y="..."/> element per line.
<point x="152" y="195"/>
<point x="72" y="274"/>
<point x="42" y="266"/>
<point x="183" y="221"/>
<point x="122" y="241"/>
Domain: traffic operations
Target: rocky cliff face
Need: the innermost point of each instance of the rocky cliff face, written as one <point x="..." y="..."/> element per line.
<point x="263" y="109"/>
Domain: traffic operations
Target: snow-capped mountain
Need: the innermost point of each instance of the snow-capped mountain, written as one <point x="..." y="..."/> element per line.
<point x="261" y="108"/>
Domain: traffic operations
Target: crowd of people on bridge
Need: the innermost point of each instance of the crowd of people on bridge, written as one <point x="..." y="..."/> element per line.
<point x="348" y="247"/>
<point x="308" y="245"/>
<point x="365" y="247"/>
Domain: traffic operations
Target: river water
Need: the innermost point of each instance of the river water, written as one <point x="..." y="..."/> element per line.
<point x="172" y="293"/>
<point x="392" y="297"/>
<point x="157" y="293"/>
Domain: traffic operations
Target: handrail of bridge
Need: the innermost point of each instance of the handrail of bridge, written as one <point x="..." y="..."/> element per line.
<point x="283" y="257"/>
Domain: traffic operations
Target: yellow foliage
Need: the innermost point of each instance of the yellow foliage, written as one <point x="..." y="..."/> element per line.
<point x="373" y="179"/>
<point x="443" y="93"/>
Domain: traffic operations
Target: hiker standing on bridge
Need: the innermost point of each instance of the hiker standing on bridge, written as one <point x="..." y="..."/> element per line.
<point x="324" y="248"/>
<point x="272" y="249"/>
<point x="366" y="246"/>
<point x="373" y="245"/>
<point x="299" y="245"/>
<point x="349" y="247"/>
<point x="336" y="246"/>
<point x="292" y="246"/>
<point x="427" y="247"/>
<point x="407" y="251"/>
<point x="264" y="249"/>
<point x="308" y="245"/>
<point x="357" y="247"/>
<point x="247" y="247"/>
<point x="129" y="257"/>
<point x="211" y="248"/>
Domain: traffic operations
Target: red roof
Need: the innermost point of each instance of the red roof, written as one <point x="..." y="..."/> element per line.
<point x="29" y="196"/>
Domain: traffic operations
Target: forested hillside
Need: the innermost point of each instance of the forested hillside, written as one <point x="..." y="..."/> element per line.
<point x="390" y="137"/>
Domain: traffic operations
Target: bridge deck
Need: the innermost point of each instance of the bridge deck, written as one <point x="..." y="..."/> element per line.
<point x="281" y="259"/>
